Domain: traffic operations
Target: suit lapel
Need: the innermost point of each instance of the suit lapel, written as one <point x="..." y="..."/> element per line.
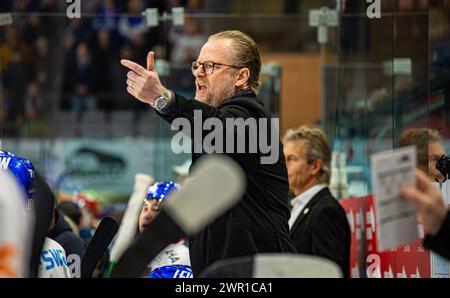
<point x="307" y="210"/>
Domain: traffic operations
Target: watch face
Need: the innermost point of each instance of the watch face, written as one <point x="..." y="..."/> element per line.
<point x="161" y="103"/>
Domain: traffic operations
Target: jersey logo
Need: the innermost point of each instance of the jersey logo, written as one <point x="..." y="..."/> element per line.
<point x="53" y="258"/>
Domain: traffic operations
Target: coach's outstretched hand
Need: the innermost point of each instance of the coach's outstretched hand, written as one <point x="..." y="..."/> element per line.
<point x="144" y="84"/>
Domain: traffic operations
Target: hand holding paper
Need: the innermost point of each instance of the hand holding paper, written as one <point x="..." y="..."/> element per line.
<point x="429" y="202"/>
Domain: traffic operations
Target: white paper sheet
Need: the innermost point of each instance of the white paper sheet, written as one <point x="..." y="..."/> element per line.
<point x="396" y="217"/>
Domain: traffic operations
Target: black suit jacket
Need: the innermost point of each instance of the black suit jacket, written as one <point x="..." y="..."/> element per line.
<point x="259" y="222"/>
<point x="322" y="230"/>
<point x="440" y="243"/>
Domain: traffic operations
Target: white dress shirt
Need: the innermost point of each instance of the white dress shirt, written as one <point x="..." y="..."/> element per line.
<point x="300" y="201"/>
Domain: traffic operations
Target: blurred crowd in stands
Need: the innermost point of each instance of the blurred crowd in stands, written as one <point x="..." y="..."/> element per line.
<point x="50" y="62"/>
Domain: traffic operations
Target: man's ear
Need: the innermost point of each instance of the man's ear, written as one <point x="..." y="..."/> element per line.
<point x="242" y="77"/>
<point x="316" y="167"/>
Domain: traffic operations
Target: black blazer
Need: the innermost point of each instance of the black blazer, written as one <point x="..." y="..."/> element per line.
<point x="259" y="222"/>
<point x="440" y="243"/>
<point x="322" y="230"/>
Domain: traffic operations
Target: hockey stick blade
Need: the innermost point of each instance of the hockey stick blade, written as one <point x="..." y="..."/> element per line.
<point x="218" y="183"/>
<point x="102" y="238"/>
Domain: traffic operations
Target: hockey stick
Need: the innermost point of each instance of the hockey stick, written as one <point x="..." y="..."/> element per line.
<point x="128" y="227"/>
<point x="98" y="245"/>
<point x="218" y="183"/>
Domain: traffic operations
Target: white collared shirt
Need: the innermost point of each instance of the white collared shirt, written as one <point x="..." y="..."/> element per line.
<point x="300" y="201"/>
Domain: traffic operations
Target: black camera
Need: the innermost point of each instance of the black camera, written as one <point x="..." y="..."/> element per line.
<point x="443" y="166"/>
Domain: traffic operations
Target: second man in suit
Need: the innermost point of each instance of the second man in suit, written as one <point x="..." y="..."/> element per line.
<point x="318" y="224"/>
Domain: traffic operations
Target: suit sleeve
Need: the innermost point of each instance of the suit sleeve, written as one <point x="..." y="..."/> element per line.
<point x="331" y="237"/>
<point x="440" y="243"/>
<point x="185" y="108"/>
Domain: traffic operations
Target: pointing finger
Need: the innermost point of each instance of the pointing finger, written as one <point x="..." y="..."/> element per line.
<point x="134" y="67"/>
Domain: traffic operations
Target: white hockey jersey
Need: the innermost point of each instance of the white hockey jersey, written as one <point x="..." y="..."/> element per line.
<point x="53" y="262"/>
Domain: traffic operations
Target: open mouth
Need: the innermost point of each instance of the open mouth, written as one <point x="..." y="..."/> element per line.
<point x="201" y="88"/>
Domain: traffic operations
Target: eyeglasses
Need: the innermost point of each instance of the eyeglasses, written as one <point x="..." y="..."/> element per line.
<point x="208" y="66"/>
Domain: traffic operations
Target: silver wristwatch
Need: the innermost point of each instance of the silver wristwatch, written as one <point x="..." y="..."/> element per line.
<point x="162" y="102"/>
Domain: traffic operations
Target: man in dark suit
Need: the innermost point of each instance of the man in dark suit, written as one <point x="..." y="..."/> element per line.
<point x="226" y="74"/>
<point x="318" y="224"/>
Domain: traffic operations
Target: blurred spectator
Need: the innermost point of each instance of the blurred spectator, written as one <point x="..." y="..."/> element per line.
<point x="13" y="47"/>
<point x="78" y="30"/>
<point x="34" y="28"/>
<point x="13" y="101"/>
<point x="429" y="147"/>
<point x="34" y="102"/>
<point x="132" y="27"/>
<point x="35" y="74"/>
<point x="106" y="16"/>
<point x="187" y="42"/>
<point x="71" y="211"/>
<point x="15" y="82"/>
<point x="105" y="53"/>
<point x="69" y="42"/>
<point x="80" y="79"/>
<point x="41" y="62"/>
<point x="89" y="215"/>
